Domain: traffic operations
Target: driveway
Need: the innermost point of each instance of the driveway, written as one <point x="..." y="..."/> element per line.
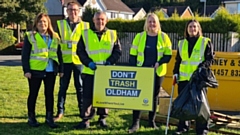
<point x="10" y="60"/>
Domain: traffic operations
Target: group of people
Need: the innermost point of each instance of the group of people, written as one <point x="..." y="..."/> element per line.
<point x="77" y="48"/>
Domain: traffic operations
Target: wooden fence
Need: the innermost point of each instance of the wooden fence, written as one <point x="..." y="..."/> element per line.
<point x="219" y="40"/>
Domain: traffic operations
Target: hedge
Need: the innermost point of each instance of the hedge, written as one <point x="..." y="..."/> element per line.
<point x="222" y="23"/>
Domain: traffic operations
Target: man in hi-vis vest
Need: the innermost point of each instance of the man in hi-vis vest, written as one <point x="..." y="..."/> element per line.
<point x="96" y="46"/>
<point x="70" y="31"/>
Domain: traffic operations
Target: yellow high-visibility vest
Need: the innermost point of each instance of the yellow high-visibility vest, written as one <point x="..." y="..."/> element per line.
<point x="163" y="46"/>
<point x="190" y="64"/>
<point x="40" y="54"/>
<point x="69" y="40"/>
<point x="97" y="50"/>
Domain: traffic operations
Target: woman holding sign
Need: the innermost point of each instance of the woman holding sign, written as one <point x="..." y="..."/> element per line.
<point x="196" y="49"/>
<point x="150" y="48"/>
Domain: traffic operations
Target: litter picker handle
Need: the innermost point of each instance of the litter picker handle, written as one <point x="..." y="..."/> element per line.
<point x="170" y="103"/>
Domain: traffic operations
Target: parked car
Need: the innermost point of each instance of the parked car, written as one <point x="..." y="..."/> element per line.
<point x="19" y="46"/>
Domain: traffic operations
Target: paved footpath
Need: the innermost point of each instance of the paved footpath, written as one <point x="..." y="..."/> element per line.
<point x="10" y="60"/>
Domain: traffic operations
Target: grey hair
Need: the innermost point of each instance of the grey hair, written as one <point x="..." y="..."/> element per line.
<point x="99" y="13"/>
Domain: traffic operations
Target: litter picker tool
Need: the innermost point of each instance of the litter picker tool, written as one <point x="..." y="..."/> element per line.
<point x="170" y="103"/>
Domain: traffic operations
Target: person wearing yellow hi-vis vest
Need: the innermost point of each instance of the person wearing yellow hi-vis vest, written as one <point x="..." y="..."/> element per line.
<point x="98" y="45"/>
<point x="70" y="32"/>
<point x="193" y="51"/>
<point x="41" y="61"/>
<point x="150" y="48"/>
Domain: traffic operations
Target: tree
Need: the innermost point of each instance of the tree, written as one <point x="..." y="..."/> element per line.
<point x="19" y="11"/>
<point x="160" y="14"/>
<point x="88" y="15"/>
<point x="175" y="14"/>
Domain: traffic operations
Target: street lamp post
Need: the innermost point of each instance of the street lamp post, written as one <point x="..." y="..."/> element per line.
<point x="204" y="8"/>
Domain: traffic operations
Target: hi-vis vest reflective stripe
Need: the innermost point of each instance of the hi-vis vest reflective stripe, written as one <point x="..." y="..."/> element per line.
<point x="138" y="50"/>
<point x="40" y="54"/>
<point x="190" y="64"/>
<point x="97" y="50"/>
<point x="70" y="39"/>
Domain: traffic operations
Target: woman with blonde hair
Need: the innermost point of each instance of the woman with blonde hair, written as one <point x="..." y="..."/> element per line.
<point x="150" y="48"/>
<point x="193" y="51"/>
<point x="41" y="61"/>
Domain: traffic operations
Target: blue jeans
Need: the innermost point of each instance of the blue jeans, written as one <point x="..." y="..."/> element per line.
<point x="64" y="83"/>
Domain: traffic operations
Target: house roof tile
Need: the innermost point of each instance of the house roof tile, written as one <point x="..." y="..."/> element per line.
<point x="116" y="5"/>
<point x="135" y="10"/>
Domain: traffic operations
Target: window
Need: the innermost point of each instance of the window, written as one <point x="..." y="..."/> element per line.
<point x="113" y="15"/>
<point x="126" y="16"/>
<point x="232" y="8"/>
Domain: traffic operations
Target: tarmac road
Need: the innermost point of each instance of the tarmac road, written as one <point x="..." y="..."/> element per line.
<point x="10" y="60"/>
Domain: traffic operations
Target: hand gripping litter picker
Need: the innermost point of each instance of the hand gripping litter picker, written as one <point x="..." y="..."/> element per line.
<point x="170" y="104"/>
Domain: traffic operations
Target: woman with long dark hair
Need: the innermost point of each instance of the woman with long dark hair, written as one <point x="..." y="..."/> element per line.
<point x="193" y="51"/>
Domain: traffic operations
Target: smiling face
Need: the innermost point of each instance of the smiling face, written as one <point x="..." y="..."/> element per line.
<point x="73" y="12"/>
<point x="193" y="29"/>
<point x="100" y="21"/>
<point x="42" y="25"/>
<point x="151" y="24"/>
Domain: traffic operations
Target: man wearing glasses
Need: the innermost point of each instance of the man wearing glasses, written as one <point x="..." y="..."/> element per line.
<point x="69" y="30"/>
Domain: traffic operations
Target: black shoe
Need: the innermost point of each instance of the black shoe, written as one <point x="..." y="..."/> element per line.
<point x="82" y="125"/>
<point x="51" y="123"/>
<point x="49" y="120"/>
<point x="32" y="120"/>
<point x="133" y="128"/>
<point x="153" y="125"/>
<point x="102" y="123"/>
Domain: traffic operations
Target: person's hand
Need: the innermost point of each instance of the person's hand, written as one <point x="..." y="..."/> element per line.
<point x="175" y="76"/>
<point x="156" y="65"/>
<point x="28" y="75"/>
<point x="92" y="66"/>
<point x="107" y="63"/>
<point x="60" y="74"/>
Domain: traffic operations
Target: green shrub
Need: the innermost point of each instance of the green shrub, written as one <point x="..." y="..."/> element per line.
<point x="7" y="41"/>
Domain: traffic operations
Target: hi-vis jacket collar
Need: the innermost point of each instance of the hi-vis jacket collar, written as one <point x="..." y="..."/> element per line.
<point x="100" y="32"/>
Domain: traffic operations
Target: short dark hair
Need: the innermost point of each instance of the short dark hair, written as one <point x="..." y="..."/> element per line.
<point x="72" y="3"/>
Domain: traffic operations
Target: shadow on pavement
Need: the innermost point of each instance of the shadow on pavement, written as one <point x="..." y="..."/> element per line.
<point x="10" y="63"/>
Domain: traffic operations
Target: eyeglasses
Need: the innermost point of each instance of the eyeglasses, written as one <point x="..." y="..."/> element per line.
<point x="75" y="10"/>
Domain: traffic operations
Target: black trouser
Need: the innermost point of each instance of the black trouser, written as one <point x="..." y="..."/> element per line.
<point x="184" y="125"/>
<point x="64" y="83"/>
<point x="87" y="110"/>
<point x="34" y="86"/>
<point x="151" y="114"/>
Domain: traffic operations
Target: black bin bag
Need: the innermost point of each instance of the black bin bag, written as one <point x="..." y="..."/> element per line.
<point x="192" y="102"/>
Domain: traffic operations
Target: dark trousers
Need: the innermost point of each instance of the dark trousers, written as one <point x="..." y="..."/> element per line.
<point x="201" y="128"/>
<point x="34" y="86"/>
<point x="87" y="109"/>
<point x="151" y="114"/>
<point x="64" y="83"/>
